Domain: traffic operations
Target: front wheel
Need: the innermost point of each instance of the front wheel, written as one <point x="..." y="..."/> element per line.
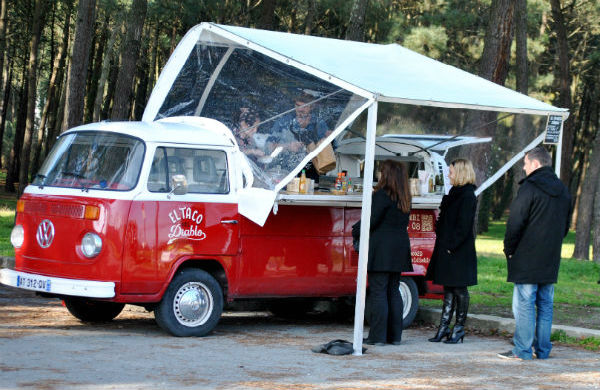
<point x="88" y="310"/>
<point x="410" y="298"/>
<point x="192" y="304"/>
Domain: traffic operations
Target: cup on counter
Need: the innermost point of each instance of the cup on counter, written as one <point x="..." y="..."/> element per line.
<point x="311" y="186"/>
<point x="294" y="185"/>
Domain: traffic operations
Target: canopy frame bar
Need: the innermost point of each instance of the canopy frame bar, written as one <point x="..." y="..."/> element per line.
<point x="365" y="226"/>
<point x="212" y="80"/>
<point x="431" y="103"/>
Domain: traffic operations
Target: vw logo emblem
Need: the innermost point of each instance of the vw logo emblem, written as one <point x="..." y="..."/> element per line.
<point x="45" y="233"/>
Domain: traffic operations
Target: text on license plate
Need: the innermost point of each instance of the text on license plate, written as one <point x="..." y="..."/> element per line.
<point x="33" y="283"/>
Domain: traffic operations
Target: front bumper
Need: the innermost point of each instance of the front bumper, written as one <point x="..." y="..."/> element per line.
<point x="59" y="286"/>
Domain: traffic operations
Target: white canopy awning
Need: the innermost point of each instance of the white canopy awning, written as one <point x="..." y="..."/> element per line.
<point x="393" y="73"/>
<point x="367" y="73"/>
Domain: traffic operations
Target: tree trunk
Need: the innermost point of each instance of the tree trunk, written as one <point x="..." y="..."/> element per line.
<point x="96" y="70"/>
<point x="139" y="103"/>
<point x="7" y="81"/>
<point x="153" y="60"/>
<point x="522" y="121"/>
<point x="129" y="56"/>
<point x="12" y="174"/>
<point x="493" y="66"/>
<point x="84" y="31"/>
<point x="3" y="35"/>
<point x="586" y="203"/>
<point x="267" y="15"/>
<point x="564" y="80"/>
<point x="311" y="10"/>
<point x="52" y="97"/>
<point x="110" y="52"/>
<point x="36" y="32"/>
<point x="356" y="24"/>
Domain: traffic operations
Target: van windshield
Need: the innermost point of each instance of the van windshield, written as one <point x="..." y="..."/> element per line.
<point x="93" y="160"/>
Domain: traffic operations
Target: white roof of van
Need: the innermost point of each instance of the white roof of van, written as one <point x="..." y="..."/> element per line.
<point x="183" y="130"/>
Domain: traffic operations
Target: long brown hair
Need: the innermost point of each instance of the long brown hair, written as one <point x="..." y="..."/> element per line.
<point x="394" y="181"/>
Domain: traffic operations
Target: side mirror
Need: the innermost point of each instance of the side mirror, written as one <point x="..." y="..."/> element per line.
<point x="178" y="185"/>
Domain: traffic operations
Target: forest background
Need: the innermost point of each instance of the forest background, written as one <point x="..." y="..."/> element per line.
<point x="66" y="62"/>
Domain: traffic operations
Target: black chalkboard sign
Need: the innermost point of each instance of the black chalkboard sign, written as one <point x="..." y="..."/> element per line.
<point x="553" y="129"/>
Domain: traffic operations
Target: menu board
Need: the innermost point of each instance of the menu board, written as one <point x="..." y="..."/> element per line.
<point x="553" y="129"/>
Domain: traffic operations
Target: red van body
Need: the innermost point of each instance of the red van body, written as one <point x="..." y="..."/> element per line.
<point x="184" y="256"/>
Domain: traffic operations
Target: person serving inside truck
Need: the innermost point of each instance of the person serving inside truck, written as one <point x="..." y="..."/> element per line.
<point x="295" y="131"/>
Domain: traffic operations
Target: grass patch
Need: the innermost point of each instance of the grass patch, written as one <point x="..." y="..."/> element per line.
<point x="7" y="221"/>
<point x="576" y="279"/>
<point x="590" y="343"/>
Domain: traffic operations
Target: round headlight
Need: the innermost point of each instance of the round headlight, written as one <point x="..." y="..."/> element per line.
<point x="91" y="244"/>
<point x="17" y="236"/>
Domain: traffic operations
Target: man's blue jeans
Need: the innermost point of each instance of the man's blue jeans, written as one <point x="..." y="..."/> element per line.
<point x="532" y="329"/>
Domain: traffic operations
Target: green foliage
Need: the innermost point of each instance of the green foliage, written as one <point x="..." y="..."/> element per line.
<point x="590" y="343"/>
<point x="429" y="41"/>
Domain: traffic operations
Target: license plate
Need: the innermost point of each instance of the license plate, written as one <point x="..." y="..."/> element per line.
<point x="33" y="283"/>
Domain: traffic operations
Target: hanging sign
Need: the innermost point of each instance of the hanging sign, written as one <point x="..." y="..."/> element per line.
<point x="553" y="129"/>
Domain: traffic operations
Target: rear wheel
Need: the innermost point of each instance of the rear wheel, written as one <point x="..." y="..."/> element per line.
<point x="88" y="310"/>
<point x="410" y="298"/>
<point x="192" y="304"/>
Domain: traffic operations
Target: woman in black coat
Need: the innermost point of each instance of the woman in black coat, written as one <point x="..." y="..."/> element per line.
<point x="389" y="253"/>
<point x="454" y="261"/>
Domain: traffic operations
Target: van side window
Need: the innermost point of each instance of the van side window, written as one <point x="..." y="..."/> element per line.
<point x="205" y="170"/>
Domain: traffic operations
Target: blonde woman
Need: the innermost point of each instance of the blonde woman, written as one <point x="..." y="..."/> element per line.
<point x="454" y="261"/>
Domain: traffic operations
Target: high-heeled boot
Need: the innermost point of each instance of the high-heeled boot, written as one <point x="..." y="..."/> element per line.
<point x="447" y="310"/>
<point x="462" y="307"/>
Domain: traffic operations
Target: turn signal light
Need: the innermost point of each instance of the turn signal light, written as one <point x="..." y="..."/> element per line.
<point x="91" y="212"/>
<point x="20" y="206"/>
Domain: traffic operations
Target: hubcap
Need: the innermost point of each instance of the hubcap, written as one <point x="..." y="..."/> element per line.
<point x="193" y="304"/>
<point x="406" y="298"/>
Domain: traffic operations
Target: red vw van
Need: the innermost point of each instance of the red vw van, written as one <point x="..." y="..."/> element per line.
<point x="147" y="214"/>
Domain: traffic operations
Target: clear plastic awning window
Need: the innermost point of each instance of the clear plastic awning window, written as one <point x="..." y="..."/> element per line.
<point x="276" y="112"/>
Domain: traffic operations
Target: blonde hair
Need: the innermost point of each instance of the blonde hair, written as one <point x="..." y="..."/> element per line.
<point x="463" y="172"/>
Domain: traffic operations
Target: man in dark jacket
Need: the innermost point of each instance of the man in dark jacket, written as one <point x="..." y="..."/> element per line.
<point x="538" y="222"/>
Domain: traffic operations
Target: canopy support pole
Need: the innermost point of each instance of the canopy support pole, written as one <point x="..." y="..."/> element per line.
<point x="559" y="150"/>
<point x="365" y="218"/>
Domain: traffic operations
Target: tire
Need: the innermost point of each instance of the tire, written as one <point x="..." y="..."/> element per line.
<point x="291" y="308"/>
<point x="192" y="304"/>
<point x="88" y="310"/>
<point x="410" y="298"/>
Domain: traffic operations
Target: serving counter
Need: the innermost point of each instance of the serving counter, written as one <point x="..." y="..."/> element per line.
<point x="348" y="200"/>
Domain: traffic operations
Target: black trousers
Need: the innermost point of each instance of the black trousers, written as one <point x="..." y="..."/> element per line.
<point x="386" y="307"/>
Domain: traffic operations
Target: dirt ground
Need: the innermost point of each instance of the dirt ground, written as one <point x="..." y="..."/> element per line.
<point x="43" y="347"/>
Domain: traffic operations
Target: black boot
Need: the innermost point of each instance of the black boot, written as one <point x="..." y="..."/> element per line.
<point x="462" y="307"/>
<point x="447" y="310"/>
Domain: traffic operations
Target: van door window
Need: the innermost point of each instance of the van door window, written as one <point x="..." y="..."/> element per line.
<point x="205" y="170"/>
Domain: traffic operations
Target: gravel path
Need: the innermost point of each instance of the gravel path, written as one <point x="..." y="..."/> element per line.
<point x="43" y="347"/>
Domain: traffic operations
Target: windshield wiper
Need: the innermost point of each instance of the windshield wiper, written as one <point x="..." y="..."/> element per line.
<point x="76" y="176"/>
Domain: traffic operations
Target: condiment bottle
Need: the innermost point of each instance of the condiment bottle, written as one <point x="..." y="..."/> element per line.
<point x="302" y="186"/>
<point x="338" y="182"/>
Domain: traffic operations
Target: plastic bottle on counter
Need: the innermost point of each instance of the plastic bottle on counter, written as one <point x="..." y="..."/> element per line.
<point x="344" y="182"/>
<point x="350" y="189"/>
<point x="338" y="182"/>
<point x="302" y="185"/>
